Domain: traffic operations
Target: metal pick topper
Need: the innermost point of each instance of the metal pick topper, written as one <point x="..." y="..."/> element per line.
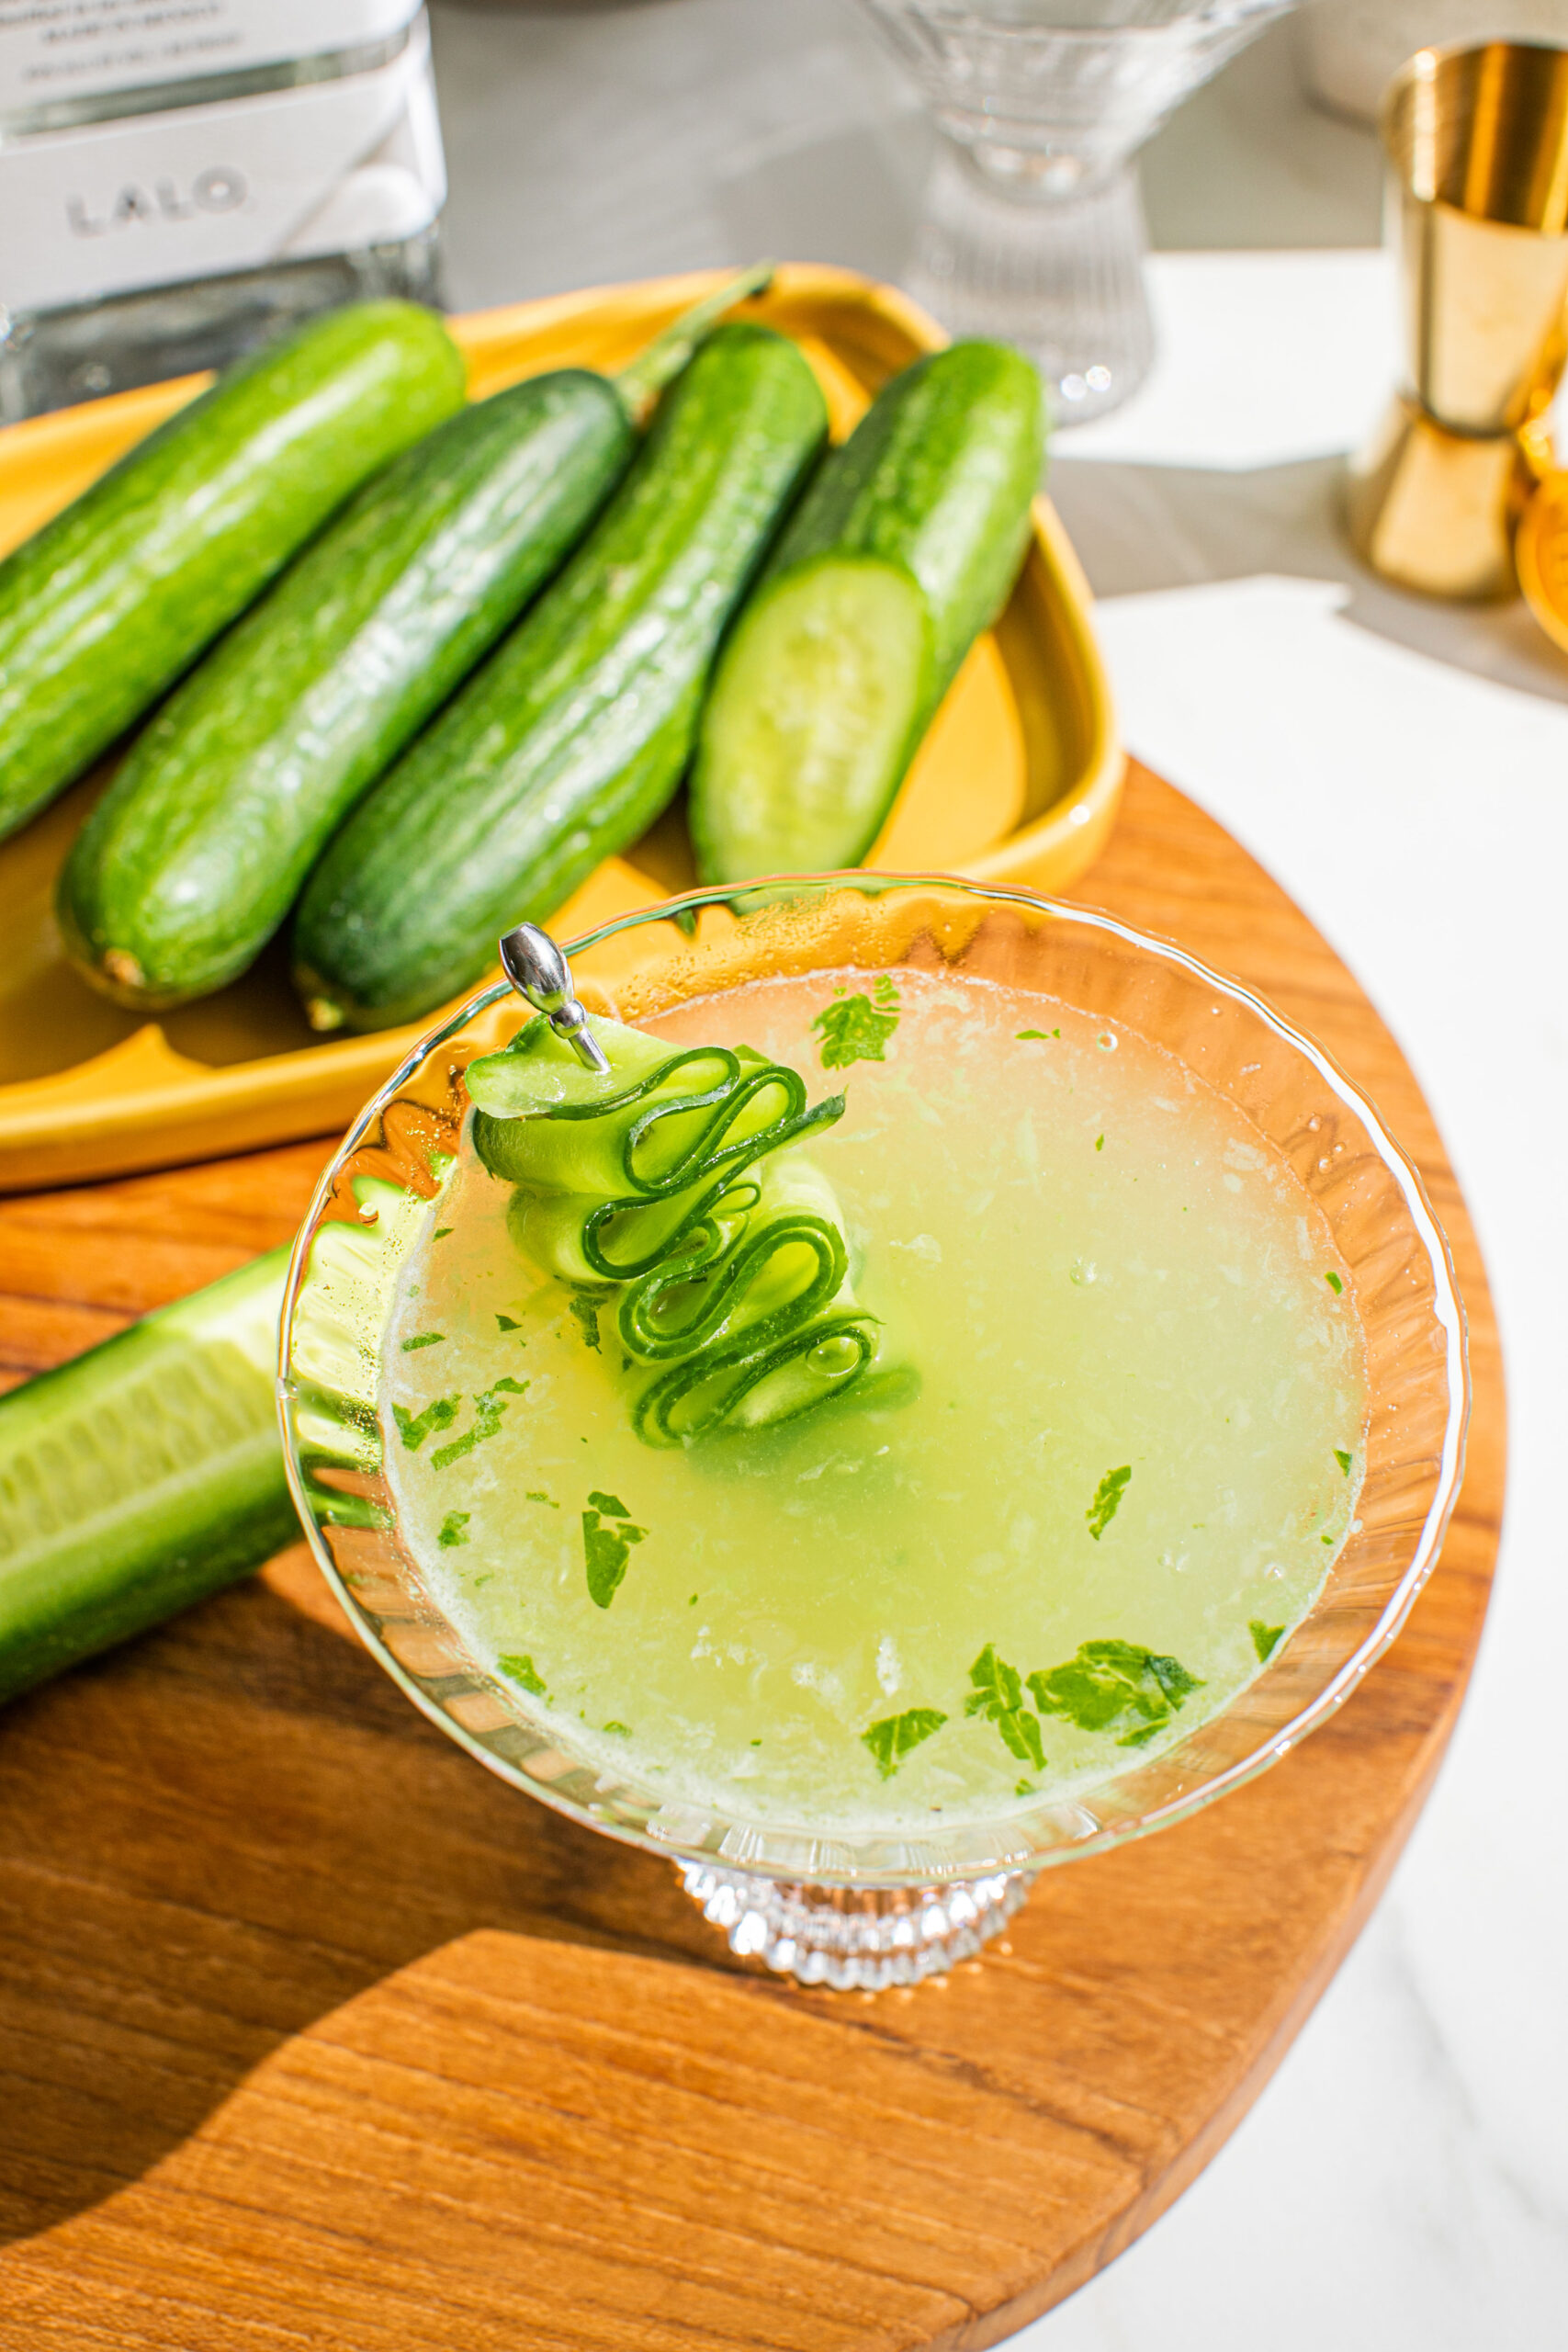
<point x="542" y="977"/>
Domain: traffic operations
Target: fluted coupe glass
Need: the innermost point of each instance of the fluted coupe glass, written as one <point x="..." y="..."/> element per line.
<point x="1032" y="229"/>
<point x="872" y="1908"/>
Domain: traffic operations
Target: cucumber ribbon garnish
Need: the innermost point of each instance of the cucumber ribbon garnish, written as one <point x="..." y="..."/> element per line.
<point x="674" y="1177"/>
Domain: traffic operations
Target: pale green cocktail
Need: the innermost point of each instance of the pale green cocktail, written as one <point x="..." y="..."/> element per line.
<point x="1095" y="1466"/>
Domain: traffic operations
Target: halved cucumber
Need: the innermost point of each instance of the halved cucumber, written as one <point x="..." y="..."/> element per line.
<point x="823" y="687"/>
<point x="142" y="1477"/>
<point x="933" y="485"/>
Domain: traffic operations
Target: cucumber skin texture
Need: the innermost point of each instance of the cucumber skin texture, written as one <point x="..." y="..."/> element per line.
<point x="105" y="607"/>
<point x="574" y="735"/>
<point x="81" y="1587"/>
<point x="938" y="478"/>
<point x="196" y="853"/>
<point x="938" y="475"/>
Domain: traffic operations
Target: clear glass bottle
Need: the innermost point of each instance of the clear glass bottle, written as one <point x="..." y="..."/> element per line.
<point x="178" y="181"/>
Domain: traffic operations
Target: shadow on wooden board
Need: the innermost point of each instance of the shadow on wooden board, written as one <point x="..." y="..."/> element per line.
<point x="229" y="1895"/>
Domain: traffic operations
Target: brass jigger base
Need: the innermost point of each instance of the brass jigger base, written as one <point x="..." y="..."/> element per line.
<point x="1437" y="510"/>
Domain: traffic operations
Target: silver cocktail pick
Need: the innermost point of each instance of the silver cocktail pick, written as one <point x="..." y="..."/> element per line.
<point x="542" y="977"/>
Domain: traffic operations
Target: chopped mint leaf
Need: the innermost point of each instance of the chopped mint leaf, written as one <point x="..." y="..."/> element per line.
<point x="537" y="1495"/>
<point x="488" y="1410"/>
<point x="883" y="990"/>
<point x="852" y="1031"/>
<point x="1115" y="1686"/>
<point x="423" y="1340"/>
<point x="1335" y="1285"/>
<point x="621" y="1730"/>
<point x="891" y="1739"/>
<point x="507" y="1324"/>
<point x="441" y="1232"/>
<point x="513" y="1388"/>
<point x="756" y="1743"/>
<point x="1266" y="1639"/>
<point x="414" y="1427"/>
<point x="586" y="1309"/>
<point x="523" y="1670"/>
<point x="1023" y="1789"/>
<point x="1099" y="1143"/>
<point x="999" y="1696"/>
<point x="1108" y="1499"/>
<point x="611" y="1505"/>
<point x="605" y="1551"/>
<point x="1327" y="1539"/>
<point x="692" y="1602"/>
<point x="1024" y="1035"/>
<point x="1344" y="1460"/>
<point x="452" y="1528"/>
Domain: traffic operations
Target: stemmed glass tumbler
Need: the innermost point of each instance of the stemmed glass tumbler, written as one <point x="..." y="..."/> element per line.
<point x="869" y="1908"/>
<point x="1032" y="229"/>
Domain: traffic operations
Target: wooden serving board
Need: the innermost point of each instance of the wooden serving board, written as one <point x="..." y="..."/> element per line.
<point x="312" y="2033"/>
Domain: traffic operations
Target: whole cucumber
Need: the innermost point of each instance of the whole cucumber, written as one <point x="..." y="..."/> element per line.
<point x="142" y="1477"/>
<point x="903" y="550"/>
<point x="573" y="736"/>
<point x="197" y="851"/>
<point x="102" y="609"/>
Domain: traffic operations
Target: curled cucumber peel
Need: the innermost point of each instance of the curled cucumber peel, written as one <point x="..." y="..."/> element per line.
<point x="674" y="1180"/>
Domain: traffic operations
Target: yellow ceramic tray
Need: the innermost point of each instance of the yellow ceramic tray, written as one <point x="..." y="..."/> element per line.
<point x="1017" y="782"/>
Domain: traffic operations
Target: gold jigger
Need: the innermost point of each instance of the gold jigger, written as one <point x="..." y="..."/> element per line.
<point x="1477" y="212"/>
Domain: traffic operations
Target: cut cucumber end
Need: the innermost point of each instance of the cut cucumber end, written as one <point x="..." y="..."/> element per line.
<point x="812" y="720"/>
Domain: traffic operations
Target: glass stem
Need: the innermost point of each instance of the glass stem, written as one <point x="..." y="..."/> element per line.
<point x="855" y="1939"/>
<point x="1058" y="275"/>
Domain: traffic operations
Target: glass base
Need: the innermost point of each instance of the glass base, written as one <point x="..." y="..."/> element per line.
<point x="52" y="359"/>
<point x="1061" y="276"/>
<point x="855" y="1939"/>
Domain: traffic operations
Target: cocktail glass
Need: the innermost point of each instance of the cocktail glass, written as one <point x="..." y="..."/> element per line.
<point x="871" y="1909"/>
<point x="1032" y="227"/>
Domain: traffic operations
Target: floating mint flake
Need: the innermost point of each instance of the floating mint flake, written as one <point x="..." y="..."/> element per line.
<point x="537" y="1495"/>
<point x="452" y="1528"/>
<point x="1335" y="1285"/>
<point x="423" y="1340"/>
<point x="1266" y="1639"/>
<point x="508" y="1323"/>
<point x="441" y="1231"/>
<point x="852" y="1030"/>
<point x="1344" y="1460"/>
<point x="1115" y="1686"/>
<point x="1045" y="1035"/>
<point x="523" y="1670"/>
<point x="586" y="1309"/>
<point x="1099" y="1143"/>
<point x="999" y="1696"/>
<point x="1108" y="1499"/>
<point x="611" y="1505"/>
<point x="622" y="1730"/>
<point x="891" y="1739"/>
<point x="414" y="1427"/>
<point x="488" y="1407"/>
<point x="606" y="1550"/>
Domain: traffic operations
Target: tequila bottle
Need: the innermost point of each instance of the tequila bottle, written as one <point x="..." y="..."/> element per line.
<point x="179" y="179"/>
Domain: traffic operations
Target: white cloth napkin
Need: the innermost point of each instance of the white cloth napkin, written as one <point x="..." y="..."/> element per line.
<point x="1263" y="359"/>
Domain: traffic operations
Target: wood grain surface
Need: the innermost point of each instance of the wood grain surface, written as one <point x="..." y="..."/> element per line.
<point x="312" y="2033"/>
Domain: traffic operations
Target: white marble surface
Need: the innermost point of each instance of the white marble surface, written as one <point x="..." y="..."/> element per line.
<point x="1403" y="2184"/>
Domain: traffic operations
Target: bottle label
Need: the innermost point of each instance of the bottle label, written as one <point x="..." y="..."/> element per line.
<point x="157" y="199"/>
<point x="55" y="50"/>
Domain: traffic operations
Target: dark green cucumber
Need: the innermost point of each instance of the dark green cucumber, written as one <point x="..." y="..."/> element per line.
<point x="198" y="849"/>
<point x="104" y="608"/>
<point x="573" y="736"/>
<point x="142" y="1477"/>
<point x="903" y="550"/>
